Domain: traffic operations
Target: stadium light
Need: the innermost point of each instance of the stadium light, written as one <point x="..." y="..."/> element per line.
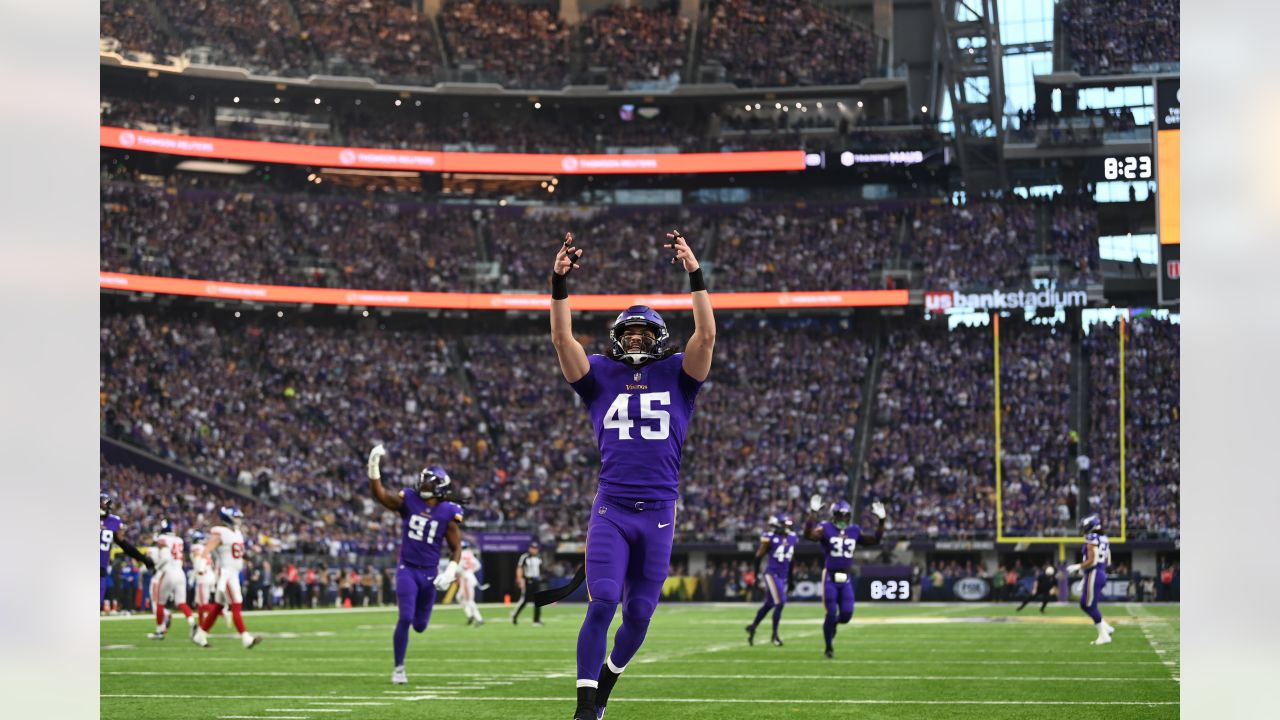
<point x="397" y="102"/>
<point x="537" y="106"/>
<point x="277" y="101"/>
<point x="235" y="99"/>
<point x="924" y="108"/>
<point x="317" y="101"/>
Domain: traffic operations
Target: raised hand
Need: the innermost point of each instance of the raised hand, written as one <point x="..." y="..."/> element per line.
<point x="567" y="257"/>
<point x="683" y="253"/>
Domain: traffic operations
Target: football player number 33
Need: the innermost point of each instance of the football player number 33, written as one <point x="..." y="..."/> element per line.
<point x="619" y="416"/>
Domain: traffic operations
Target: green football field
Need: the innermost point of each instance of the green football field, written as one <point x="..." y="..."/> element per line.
<point x="909" y="661"/>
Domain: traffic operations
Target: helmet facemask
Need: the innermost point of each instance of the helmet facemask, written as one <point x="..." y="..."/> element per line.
<point x="639" y="336"/>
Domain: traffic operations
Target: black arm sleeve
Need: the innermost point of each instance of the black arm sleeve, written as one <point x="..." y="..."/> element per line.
<point x="133" y="552"/>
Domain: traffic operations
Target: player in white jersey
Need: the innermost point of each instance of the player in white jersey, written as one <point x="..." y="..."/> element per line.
<point x="202" y="575"/>
<point x="169" y="583"/>
<point x="226" y="547"/>
<point x="468" y="566"/>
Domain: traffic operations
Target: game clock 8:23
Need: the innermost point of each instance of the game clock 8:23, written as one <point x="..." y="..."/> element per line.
<point x="888" y="589"/>
<point x="1127" y="167"/>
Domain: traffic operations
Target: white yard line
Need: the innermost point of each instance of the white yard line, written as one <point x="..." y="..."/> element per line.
<point x="751" y="701"/>
<point x="482" y="685"/>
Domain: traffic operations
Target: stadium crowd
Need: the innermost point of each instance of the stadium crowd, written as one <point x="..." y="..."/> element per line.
<point x="526" y="45"/>
<point x="344" y="241"/>
<point x="930" y="455"/>
<point x="637" y="43"/>
<point x="1108" y="37"/>
<point x="767" y="43"/>
<point x="324" y="242"/>
<point x="284" y="412"/>
<point x="1152" y="408"/>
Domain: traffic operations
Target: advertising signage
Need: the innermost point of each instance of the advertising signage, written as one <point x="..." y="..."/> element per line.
<point x="440" y="161"/>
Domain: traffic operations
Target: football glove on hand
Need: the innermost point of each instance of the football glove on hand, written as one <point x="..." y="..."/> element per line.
<point x="877" y="509"/>
<point x="445" y="579"/>
<point x="815" y="502"/>
<point x="375" y="457"/>
<point x="1074" y="569"/>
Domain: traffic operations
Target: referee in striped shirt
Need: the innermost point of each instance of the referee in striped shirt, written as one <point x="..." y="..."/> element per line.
<point x="529" y="580"/>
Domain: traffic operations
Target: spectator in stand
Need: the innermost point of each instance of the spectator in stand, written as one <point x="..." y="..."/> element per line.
<point x="1108" y="37"/>
<point x="768" y="43"/>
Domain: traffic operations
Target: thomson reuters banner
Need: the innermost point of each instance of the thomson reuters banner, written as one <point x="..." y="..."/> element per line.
<point x="488" y="301"/>
<point x="430" y="161"/>
<point x="1004" y="300"/>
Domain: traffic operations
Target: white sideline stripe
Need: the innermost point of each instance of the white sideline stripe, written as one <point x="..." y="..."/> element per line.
<point x="752" y="701"/>
<point x="305" y="710"/>
<point x="761" y="661"/>
<point x="360" y="704"/>
<point x="264" y="717"/>
<point x="470" y="685"/>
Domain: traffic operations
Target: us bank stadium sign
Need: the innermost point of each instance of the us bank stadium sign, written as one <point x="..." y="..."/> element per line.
<point x="935" y="301"/>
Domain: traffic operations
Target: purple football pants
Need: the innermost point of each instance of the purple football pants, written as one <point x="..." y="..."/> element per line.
<point x="416" y="593"/>
<point x="628" y="555"/>
<point x="1091" y="591"/>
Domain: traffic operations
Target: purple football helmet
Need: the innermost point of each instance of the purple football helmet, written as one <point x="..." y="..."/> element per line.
<point x="841" y="513"/>
<point x="646" y="317"/>
<point x="780" y="523"/>
<point x="434" y="482"/>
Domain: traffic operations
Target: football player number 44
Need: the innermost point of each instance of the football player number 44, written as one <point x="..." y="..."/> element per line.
<point x="417" y="524"/>
<point x="619" y="416"/>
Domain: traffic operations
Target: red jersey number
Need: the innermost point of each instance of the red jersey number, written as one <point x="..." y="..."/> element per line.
<point x="237" y="550"/>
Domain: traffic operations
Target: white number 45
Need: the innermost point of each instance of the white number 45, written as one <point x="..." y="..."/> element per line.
<point x="618" y="417"/>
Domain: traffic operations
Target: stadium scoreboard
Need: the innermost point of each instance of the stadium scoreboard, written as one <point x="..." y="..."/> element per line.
<point x="1168" y="188"/>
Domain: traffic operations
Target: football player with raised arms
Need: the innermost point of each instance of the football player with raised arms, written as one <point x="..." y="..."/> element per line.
<point x="779" y="545"/>
<point x="428" y="519"/>
<point x="169" y="581"/>
<point x="1096" y="554"/>
<point x="225" y="548"/>
<point x="111" y="530"/>
<point x="640" y="397"/>
<point x="838" y="538"/>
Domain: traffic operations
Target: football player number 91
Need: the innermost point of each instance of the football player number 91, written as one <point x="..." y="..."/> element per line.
<point x="890" y="589"/>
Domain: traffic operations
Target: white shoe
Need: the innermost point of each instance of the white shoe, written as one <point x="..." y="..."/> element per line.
<point x="398" y="677"/>
<point x="1102" y="640"/>
<point x="200" y="637"/>
<point x="537" y="623"/>
<point x="1107" y="627"/>
<point x="250" y="640"/>
<point x="156" y="635"/>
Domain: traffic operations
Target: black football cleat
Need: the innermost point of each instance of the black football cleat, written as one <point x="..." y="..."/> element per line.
<point x="751" y="634"/>
<point x="777" y="641"/>
<point x="829" y="653"/>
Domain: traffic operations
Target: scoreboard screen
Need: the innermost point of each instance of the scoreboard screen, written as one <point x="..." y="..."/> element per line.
<point x="1168" y="188"/>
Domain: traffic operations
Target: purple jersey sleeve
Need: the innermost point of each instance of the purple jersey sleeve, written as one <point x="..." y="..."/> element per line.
<point x="587" y="386"/>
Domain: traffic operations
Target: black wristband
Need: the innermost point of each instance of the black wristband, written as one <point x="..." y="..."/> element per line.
<point x="696" y="282"/>
<point x="559" y="286"/>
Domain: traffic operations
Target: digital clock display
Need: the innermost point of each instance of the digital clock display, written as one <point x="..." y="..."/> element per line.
<point x="1128" y="167"/>
<point x="889" y="589"/>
